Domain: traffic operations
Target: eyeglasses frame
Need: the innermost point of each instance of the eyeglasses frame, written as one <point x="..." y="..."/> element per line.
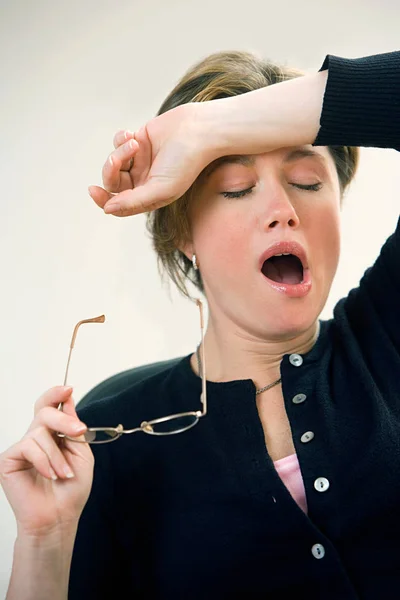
<point x="145" y="426"/>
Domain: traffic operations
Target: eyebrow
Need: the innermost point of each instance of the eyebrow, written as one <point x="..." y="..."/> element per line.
<point x="299" y="153"/>
<point x="241" y="159"/>
<point x="249" y="160"/>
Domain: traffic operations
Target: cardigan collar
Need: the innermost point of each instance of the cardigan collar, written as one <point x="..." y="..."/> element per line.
<point x="184" y="370"/>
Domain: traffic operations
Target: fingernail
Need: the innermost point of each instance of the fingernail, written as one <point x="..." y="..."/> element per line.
<point x="127" y="134"/>
<point x="52" y="474"/>
<point x="69" y="474"/>
<point x="68" y="388"/>
<point x="78" y="427"/>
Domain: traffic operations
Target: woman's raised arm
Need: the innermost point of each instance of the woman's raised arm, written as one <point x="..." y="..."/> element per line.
<point x="171" y="150"/>
<point x="349" y="102"/>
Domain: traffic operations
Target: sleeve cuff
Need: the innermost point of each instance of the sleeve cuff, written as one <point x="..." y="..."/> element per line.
<point x="361" y="105"/>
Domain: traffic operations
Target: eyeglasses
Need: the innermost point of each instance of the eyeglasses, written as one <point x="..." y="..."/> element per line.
<point x="168" y="425"/>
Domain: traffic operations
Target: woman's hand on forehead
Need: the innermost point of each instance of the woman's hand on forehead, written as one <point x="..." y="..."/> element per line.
<point x="156" y="165"/>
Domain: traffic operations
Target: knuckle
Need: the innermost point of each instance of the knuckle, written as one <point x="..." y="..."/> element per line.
<point x="45" y="414"/>
<point x="36" y="431"/>
<point x="113" y="159"/>
<point x="109" y="184"/>
<point x="118" y="137"/>
<point x="48" y="398"/>
<point x="26" y="443"/>
<point x="3" y="457"/>
<point x="42" y="430"/>
<point x="108" y="168"/>
<point x="40" y="402"/>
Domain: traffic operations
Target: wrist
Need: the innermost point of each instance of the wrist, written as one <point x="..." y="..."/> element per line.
<point x="56" y="538"/>
<point x="280" y="115"/>
<point x="47" y="535"/>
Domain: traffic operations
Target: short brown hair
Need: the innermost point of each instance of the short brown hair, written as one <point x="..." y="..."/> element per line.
<point x="220" y="75"/>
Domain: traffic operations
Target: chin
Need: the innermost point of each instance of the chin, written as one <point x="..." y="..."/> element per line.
<point x="289" y="318"/>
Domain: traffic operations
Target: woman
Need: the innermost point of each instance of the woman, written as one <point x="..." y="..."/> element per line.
<point x="290" y="485"/>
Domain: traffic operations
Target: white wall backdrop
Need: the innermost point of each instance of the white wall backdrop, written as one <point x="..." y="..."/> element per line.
<point x="71" y="74"/>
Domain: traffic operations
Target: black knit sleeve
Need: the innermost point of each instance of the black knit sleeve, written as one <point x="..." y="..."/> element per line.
<point x="361" y="105"/>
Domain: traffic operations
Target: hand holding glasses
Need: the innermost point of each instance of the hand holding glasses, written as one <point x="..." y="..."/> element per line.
<point x="169" y="425"/>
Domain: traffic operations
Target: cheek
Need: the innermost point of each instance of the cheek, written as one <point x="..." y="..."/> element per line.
<point x="222" y="242"/>
<point x="326" y="237"/>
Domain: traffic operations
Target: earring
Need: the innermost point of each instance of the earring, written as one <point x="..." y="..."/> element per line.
<point x="194" y="262"/>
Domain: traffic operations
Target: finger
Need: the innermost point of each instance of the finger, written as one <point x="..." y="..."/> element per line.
<point x="69" y="407"/>
<point x="122" y="136"/>
<point x="49" y="415"/>
<point x="57" y="461"/>
<point x="100" y="195"/>
<point x="58" y="421"/>
<point x="115" y="179"/>
<point x="143" y="158"/>
<point x="52" y="397"/>
<point x="145" y="198"/>
<point x="23" y="456"/>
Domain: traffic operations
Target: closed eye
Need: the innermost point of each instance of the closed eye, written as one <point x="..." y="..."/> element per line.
<point x="238" y="194"/>
<point x="312" y="187"/>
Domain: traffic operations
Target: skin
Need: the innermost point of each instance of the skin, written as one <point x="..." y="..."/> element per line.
<point x="251" y="325"/>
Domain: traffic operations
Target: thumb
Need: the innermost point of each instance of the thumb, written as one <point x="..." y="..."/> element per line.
<point x="99" y="195"/>
<point x="154" y="194"/>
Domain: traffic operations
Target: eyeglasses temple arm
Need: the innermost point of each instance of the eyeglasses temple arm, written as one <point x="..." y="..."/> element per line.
<point x="203" y="359"/>
<point x="99" y="319"/>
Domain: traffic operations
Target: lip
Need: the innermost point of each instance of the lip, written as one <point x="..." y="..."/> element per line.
<point x="284" y="247"/>
<point x="298" y="290"/>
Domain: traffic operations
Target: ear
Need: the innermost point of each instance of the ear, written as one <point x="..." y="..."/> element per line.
<point x="187" y="249"/>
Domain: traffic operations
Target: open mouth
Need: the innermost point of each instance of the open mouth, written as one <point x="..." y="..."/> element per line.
<point x="285" y="268"/>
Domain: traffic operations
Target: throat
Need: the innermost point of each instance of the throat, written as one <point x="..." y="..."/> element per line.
<point x="283" y="269"/>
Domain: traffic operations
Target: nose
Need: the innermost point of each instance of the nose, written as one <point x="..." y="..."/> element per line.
<point x="280" y="211"/>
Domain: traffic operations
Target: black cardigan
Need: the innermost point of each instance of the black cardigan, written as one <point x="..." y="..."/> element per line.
<point x="204" y="514"/>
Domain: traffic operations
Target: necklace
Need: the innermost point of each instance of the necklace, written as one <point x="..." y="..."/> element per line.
<point x="263" y="389"/>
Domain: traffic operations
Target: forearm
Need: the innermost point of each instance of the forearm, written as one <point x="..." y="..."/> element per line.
<point x="281" y="115"/>
<point x="41" y="567"/>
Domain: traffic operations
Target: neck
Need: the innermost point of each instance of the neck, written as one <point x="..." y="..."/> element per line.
<point x="232" y="355"/>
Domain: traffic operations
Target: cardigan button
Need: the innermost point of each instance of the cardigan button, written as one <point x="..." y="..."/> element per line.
<point x="307" y="436"/>
<point x="318" y="551"/>
<point x="299" y="398"/>
<point x="295" y="360"/>
<point x="321" y="484"/>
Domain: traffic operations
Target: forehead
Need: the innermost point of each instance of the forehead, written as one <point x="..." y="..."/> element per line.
<point x="286" y="156"/>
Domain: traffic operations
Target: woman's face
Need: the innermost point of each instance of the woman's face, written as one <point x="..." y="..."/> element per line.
<point x="244" y="205"/>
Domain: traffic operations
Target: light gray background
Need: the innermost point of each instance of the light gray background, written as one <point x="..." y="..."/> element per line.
<point x="72" y="73"/>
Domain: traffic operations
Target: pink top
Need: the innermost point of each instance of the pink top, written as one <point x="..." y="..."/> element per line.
<point x="288" y="469"/>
